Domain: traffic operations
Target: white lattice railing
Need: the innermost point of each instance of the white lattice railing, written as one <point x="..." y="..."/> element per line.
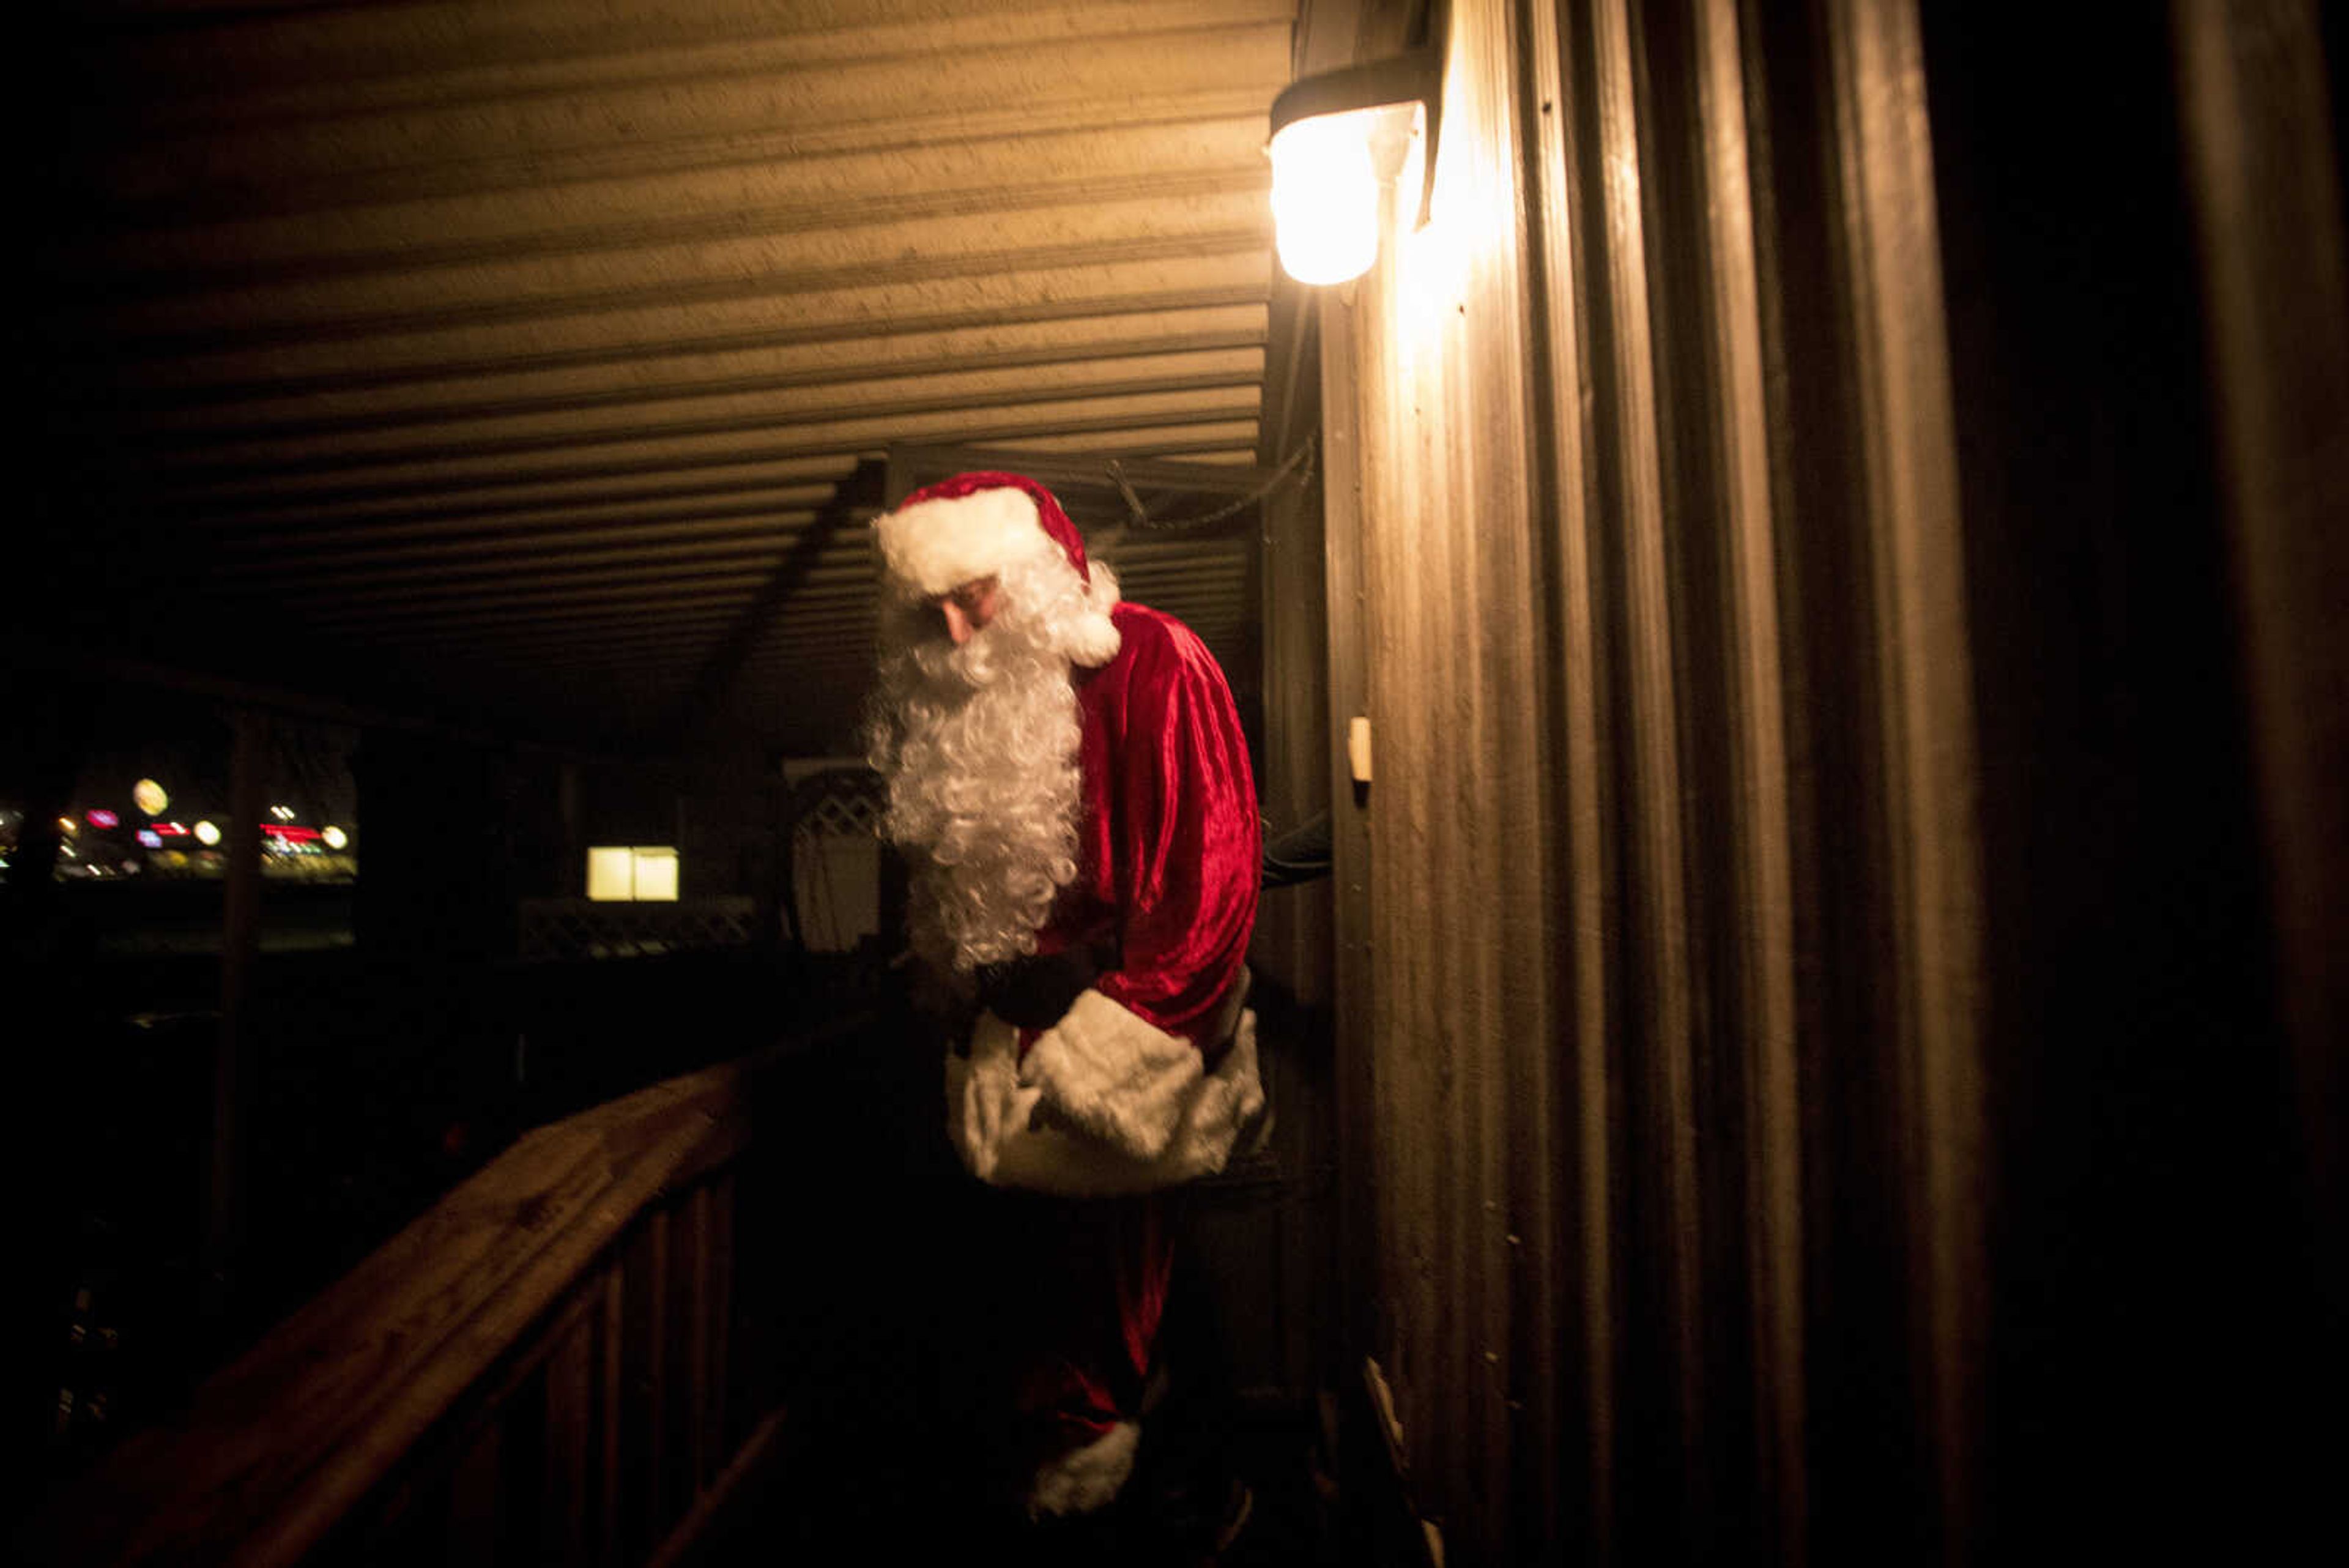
<point x="564" y="928"/>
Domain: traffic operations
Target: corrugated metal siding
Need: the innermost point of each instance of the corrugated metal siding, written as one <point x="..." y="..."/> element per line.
<point x="520" y="350"/>
<point x="1668" y="1030"/>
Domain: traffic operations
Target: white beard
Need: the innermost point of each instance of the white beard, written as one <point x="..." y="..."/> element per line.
<point x="978" y="747"/>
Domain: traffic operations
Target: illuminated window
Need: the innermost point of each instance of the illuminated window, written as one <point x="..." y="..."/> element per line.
<point x="656" y="875"/>
<point x="611" y="872"/>
<point x="639" y="872"/>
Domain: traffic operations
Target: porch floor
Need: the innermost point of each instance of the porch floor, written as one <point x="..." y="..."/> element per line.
<point x="849" y="1497"/>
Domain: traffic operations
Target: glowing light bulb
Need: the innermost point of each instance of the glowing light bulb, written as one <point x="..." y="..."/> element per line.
<point x="207" y="834"/>
<point x="1325" y="197"/>
<point x="335" y="837"/>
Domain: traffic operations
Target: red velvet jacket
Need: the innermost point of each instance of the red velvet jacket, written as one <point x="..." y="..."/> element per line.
<point x="1171" y="851"/>
<point x="1150" y="1077"/>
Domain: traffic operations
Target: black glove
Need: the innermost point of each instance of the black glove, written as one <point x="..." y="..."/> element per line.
<point x="1037" y="993"/>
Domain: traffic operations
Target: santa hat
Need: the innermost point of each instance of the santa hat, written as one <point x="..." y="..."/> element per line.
<point x="975" y="525"/>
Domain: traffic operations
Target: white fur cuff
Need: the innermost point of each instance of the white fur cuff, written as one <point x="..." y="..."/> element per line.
<point x="1116" y="1076"/>
<point x="1086" y="1479"/>
<point x="1114" y="1106"/>
<point x="987" y="1105"/>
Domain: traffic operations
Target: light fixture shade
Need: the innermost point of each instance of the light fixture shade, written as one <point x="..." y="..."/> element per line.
<point x="1325" y="197"/>
<point x="1337" y="140"/>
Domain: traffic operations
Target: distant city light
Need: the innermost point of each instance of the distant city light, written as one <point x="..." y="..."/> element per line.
<point x="149" y="797"/>
<point x="335" y="837"/>
<point x="281" y="813"/>
<point x="289" y="835"/>
<point x="151" y="838"/>
<point x="69" y="827"/>
<point x="171" y="829"/>
<point x="207" y="834"/>
<point x="99" y="816"/>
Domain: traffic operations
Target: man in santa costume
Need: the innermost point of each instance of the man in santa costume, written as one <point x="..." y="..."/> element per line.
<point x="1070" y="786"/>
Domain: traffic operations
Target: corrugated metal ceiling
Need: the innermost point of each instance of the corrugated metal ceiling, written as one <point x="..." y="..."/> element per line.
<point x="534" y="359"/>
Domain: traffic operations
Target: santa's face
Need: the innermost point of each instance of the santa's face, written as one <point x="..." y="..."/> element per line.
<point x="976" y="732"/>
<point x="968" y="608"/>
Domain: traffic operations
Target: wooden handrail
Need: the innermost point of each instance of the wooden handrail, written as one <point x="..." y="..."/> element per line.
<point x="401" y="1362"/>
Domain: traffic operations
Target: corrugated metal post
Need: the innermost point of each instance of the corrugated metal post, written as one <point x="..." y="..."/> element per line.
<point x="1349" y="825"/>
<point x="2268" y="206"/>
<point x="240" y="944"/>
<point x="573" y="884"/>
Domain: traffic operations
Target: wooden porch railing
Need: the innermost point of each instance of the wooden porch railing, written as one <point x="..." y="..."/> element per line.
<point x="547" y="1367"/>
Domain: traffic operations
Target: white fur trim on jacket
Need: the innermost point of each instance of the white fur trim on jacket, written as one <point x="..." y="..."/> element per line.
<point x="938" y="545"/>
<point x="1106" y="1104"/>
<point x="1086" y="1479"/>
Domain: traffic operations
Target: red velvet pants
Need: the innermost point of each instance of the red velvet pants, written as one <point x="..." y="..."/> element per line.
<point x="1052" y="1318"/>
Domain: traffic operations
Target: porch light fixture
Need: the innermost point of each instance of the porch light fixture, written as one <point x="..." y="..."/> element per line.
<point x="1337" y="138"/>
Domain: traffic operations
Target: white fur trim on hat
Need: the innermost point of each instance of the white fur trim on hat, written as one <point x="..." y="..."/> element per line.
<point x="1094" y="640"/>
<point x="936" y="547"/>
<point x="1087" y="1478"/>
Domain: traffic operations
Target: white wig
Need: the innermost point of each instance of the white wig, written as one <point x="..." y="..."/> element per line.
<point x="978" y="745"/>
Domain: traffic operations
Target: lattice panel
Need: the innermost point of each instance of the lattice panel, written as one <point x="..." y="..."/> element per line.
<point x="841" y="814"/>
<point x="556" y="929"/>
